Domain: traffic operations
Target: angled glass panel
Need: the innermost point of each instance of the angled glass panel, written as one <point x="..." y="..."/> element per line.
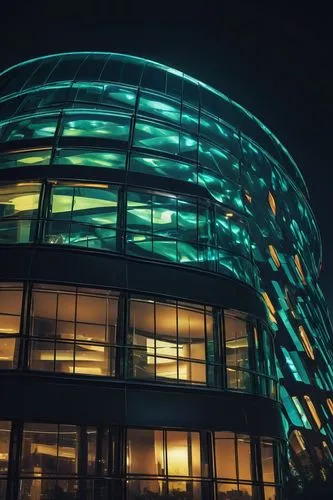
<point x="119" y="96"/>
<point x="90" y="158"/>
<point x="160" y="107"/>
<point x="25" y="158"/>
<point x="150" y="136"/>
<point x="90" y="93"/>
<point x="218" y="160"/>
<point x="163" y="167"/>
<point x="222" y="190"/>
<point x="220" y="133"/>
<point x="106" y="126"/>
<point x="18" y="212"/>
<point x="83" y="216"/>
<point x="36" y="127"/>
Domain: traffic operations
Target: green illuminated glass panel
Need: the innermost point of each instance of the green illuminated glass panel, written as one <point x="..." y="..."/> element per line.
<point x="164" y="167"/>
<point x="190" y="119"/>
<point x="219" y="161"/>
<point x="222" y="190"/>
<point x="119" y="96"/>
<point x="38" y="127"/>
<point x="160" y="107"/>
<point x="156" y="137"/>
<point x="90" y="158"/>
<point x="106" y="126"/>
<point x="83" y="216"/>
<point x="220" y="133"/>
<point x="25" y="159"/>
<point x="19" y="212"/>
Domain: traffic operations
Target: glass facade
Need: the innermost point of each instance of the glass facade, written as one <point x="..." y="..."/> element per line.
<point x="70" y="461"/>
<point x="86" y="331"/>
<point x="115" y="157"/>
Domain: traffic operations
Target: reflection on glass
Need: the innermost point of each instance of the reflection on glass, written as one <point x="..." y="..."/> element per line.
<point x="10" y="320"/>
<point x="83" y="216"/>
<point x="90" y="158"/>
<point x="18" y="211"/>
<point x="237" y="352"/>
<point x="106" y="126"/>
<point x="169" y="341"/>
<point x="25" y="158"/>
<point x="73" y="331"/>
<point x="36" y="127"/>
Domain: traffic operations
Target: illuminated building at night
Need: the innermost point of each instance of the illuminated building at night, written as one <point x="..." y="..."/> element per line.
<point x="156" y="243"/>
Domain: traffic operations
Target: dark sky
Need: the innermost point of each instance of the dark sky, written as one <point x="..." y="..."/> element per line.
<point x="275" y="60"/>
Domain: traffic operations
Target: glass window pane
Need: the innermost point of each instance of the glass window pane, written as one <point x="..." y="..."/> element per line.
<point x="49" y="449"/>
<point x="164" y="168"/>
<point x="145" y="454"/>
<point x="156" y="137"/>
<point x="31" y="128"/>
<point x="5" y="428"/>
<point x="106" y="126"/>
<point x="10" y="308"/>
<point x="267" y="460"/>
<point x="28" y="158"/>
<point x="9" y="352"/>
<point x="120" y="97"/>
<point x="225" y="455"/>
<point x="244" y="457"/>
<point x="160" y="107"/>
<point x="83" y="216"/>
<point x="191" y="334"/>
<point x="218" y="160"/>
<point x="141" y="323"/>
<point x="91" y="158"/>
<point x="236" y="337"/>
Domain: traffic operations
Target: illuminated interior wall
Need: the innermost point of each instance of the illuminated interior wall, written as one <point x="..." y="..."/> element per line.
<point x="252" y="221"/>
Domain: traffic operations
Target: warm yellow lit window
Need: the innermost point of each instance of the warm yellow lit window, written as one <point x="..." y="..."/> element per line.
<point x="268" y="303"/>
<point x="271" y="202"/>
<point x="297" y="442"/>
<point x="330" y="404"/>
<point x="299" y="268"/>
<point x="274" y="255"/>
<point x="306" y="342"/>
<point x="248" y="196"/>
<point x="313" y="411"/>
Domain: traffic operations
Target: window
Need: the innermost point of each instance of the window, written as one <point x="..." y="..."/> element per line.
<point x="172" y="459"/>
<point x="18" y="212"/>
<point x="330" y="405"/>
<point x="233" y="463"/>
<point x="39" y="127"/>
<point x="163" y="167"/>
<point x="160" y="107"/>
<point x="25" y="158"/>
<point x="103" y="126"/>
<point x="313" y="410"/>
<point x="10" y="323"/>
<point x="5" y="428"/>
<point x="83" y="215"/>
<point x="157" y="137"/>
<point x="306" y="342"/>
<point x="73" y="331"/>
<point x="168" y="228"/>
<point x="299" y="268"/>
<point x="237" y="352"/>
<point x="271" y="202"/>
<point x="219" y="161"/>
<point x="273" y="253"/>
<point x="217" y="131"/>
<point x="90" y="158"/>
<point x="171" y="341"/>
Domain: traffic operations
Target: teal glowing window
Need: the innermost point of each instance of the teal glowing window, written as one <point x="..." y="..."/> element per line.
<point x="220" y="133"/>
<point x="160" y="107"/>
<point x="83" y="215"/>
<point x="156" y="137"/>
<point x="18" y="212"/>
<point x="222" y="190"/>
<point x="301" y="412"/>
<point x="90" y="158"/>
<point x="119" y="96"/>
<point x="36" y="127"/>
<point x="163" y="167"/>
<point x="219" y="161"/>
<point x="291" y="365"/>
<point x="106" y="126"/>
<point x="25" y="158"/>
<point x="292" y="412"/>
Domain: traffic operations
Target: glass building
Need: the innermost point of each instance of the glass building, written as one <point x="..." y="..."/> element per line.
<point x="162" y="331"/>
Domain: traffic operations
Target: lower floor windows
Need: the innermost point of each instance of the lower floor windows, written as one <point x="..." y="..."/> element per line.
<point x="60" y="461"/>
<point x="84" y="331"/>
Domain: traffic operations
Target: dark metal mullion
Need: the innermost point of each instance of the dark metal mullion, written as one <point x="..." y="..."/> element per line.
<point x="122" y="353"/>
<point x="14" y="460"/>
<point x="55" y="334"/>
<point x="252" y="357"/>
<point x="177" y="342"/>
<point x="223" y="349"/>
<point x="22" y="336"/>
<point x="56" y="136"/>
<point x="75" y="321"/>
<point x="165" y="453"/>
<point x="155" y="333"/>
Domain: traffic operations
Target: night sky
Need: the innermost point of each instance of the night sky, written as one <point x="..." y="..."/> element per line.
<point x="275" y="61"/>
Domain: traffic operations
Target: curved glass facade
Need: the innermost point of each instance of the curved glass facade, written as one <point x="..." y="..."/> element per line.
<point x="196" y="212"/>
